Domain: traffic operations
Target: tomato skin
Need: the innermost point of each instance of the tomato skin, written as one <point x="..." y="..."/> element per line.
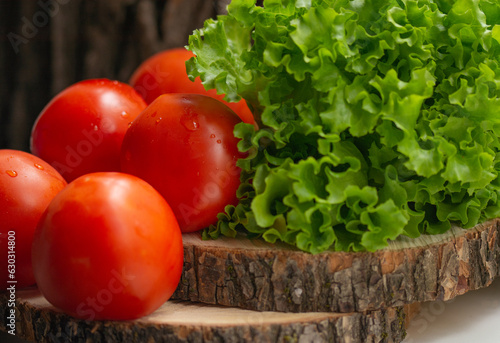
<point x="108" y="247"/>
<point x="81" y="129"/>
<point x="165" y="72"/>
<point x="184" y="146"/>
<point x="27" y="185"/>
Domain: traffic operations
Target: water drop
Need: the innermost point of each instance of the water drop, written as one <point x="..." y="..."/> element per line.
<point x="128" y="155"/>
<point x="96" y="128"/>
<point x="158" y="120"/>
<point x="212" y="136"/>
<point x="11" y="173"/>
<point x="129" y="124"/>
<point x="153" y="114"/>
<point x="190" y="121"/>
<point x="38" y="166"/>
<point x="219" y="141"/>
<point x="124" y="114"/>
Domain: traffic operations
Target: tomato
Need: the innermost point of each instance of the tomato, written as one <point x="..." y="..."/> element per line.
<point x="108" y="247"/>
<point x="82" y="128"/>
<point x="165" y="72"/>
<point x="27" y="185"/>
<point x="183" y="145"/>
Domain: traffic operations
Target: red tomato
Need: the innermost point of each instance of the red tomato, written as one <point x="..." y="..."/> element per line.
<point x="108" y="247"/>
<point x="165" y="72"/>
<point x="183" y="145"/>
<point x="27" y="185"/>
<point x="82" y="128"/>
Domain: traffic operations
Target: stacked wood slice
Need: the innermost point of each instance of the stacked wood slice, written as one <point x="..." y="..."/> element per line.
<point x="239" y="290"/>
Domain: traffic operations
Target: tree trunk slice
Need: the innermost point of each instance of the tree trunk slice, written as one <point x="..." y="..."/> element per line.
<point x="178" y="321"/>
<point x="259" y="276"/>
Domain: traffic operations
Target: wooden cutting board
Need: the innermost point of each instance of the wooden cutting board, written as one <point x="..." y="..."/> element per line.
<point x="259" y="276"/>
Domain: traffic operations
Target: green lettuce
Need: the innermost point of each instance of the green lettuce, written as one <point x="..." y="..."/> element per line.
<point x="376" y="118"/>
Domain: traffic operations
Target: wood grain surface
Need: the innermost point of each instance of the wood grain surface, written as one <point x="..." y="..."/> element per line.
<point x="260" y="276"/>
<point x="180" y="321"/>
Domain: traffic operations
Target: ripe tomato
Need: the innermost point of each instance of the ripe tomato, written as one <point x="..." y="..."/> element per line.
<point x="82" y="128"/>
<point x="108" y="247"/>
<point x="184" y="146"/>
<point x="27" y="185"/>
<point x="165" y="72"/>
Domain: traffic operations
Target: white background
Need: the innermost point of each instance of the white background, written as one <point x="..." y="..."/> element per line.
<point x="473" y="317"/>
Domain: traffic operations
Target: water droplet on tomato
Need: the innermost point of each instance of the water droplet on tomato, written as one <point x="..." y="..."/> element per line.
<point x="38" y="166"/>
<point x="129" y="124"/>
<point x="124" y="114"/>
<point x="153" y="114"/>
<point x="11" y="173"/>
<point x="219" y="141"/>
<point x="190" y="121"/>
<point x="212" y="136"/>
<point x="128" y="155"/>
<point x="158" y="120"/>
<point x="96" y="128"/>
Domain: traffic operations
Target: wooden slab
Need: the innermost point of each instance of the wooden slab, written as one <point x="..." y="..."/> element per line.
<point x="178" y="321"/>
<point x="259" y="276"/>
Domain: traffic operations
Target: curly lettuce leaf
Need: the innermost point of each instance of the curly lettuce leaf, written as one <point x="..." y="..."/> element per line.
<point x="375" y="120"/>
